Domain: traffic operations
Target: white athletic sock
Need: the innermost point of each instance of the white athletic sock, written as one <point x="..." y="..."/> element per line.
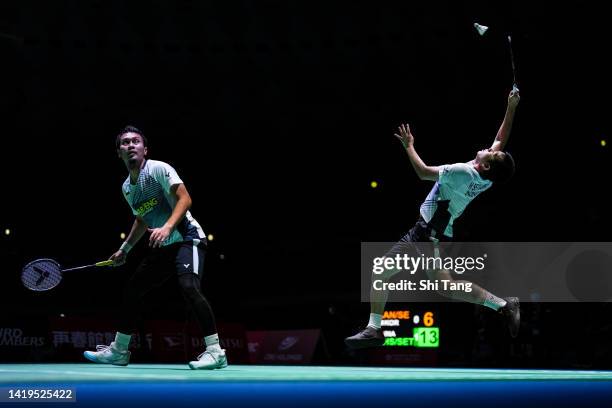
<point x="122" y="341"/>
<point x="212" y="342"/>
<point x="375" y="320"/>
<point x="493" y="301"/>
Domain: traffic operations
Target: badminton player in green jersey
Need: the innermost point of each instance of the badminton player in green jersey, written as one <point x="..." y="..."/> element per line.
<point x="456" y="185"/>
<point x="160" y="203"/>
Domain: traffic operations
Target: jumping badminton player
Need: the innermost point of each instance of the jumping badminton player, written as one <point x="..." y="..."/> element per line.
<point x="456" y="186"/>
<point x="160" y="202"/>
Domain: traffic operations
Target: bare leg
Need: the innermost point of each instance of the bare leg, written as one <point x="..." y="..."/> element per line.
<point x="378" y="298"/>
<point x="509" y="307"/>
<point x="476" y="295"/>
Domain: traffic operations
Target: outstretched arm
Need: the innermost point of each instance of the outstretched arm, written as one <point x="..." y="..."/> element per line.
<point x="504" y="130"/>
<point x="423" y="171"/>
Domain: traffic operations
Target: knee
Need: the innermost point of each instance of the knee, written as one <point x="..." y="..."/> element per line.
<point x="190" y="287"/>
<point x="437" y="275"/>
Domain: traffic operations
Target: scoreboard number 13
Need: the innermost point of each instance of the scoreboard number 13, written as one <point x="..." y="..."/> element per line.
<point x="426" y="336"/>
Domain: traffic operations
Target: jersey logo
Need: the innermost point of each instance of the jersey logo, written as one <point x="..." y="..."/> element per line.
<point x="168" y="174"/>
<point x="475" y="188"/>
<point x="146" y="207"/>
<point x="186" y="266"/>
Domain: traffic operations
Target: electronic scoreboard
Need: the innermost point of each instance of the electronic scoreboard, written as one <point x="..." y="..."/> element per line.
<point x="410" y="328"/>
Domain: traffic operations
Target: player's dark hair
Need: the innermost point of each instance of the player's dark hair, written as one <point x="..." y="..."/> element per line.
<point x="131" y="129"/>
<point x="500" y="171"/>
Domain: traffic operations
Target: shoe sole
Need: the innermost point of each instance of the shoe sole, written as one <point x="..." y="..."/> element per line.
<point x="191" y="365"/>
<point x="93" y="360"/>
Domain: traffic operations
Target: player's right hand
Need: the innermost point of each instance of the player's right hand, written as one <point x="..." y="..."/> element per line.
<point x="405" y="136"/>
<point x="514" y="97"/>
<point x="118" y="258"/>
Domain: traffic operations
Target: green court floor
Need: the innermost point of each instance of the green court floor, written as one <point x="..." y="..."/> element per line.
<point x="32" y="373"/>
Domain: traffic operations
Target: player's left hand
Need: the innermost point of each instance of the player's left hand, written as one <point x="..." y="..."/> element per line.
<point x="158" y="236"/>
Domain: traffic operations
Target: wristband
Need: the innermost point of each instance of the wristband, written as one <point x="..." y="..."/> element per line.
<point x="125" y="247"/>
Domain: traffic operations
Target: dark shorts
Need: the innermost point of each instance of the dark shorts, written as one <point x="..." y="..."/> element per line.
<point x="417" y="241"/>
<point x="180" y="258"/>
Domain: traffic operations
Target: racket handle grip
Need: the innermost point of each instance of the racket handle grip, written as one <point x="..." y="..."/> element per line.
<point x="105" y="263"/>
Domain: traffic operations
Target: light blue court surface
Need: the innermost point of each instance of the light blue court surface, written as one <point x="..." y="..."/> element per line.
<point x="283" y="386"/>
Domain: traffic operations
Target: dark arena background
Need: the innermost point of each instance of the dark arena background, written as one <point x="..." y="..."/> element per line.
<point x="279" y="116"/>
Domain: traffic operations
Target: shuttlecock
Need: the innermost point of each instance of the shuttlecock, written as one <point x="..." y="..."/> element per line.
<point x="481" y="28"/>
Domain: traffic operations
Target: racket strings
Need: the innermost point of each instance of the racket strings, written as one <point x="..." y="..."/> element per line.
<point x="41" y="275"/>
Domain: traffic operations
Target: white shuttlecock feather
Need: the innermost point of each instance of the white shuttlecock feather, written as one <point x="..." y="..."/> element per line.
<point x="482" y="29"/>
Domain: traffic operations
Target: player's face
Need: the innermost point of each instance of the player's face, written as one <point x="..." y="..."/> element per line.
<point x="132" y="149"/>
<point x="485" y="157"/>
